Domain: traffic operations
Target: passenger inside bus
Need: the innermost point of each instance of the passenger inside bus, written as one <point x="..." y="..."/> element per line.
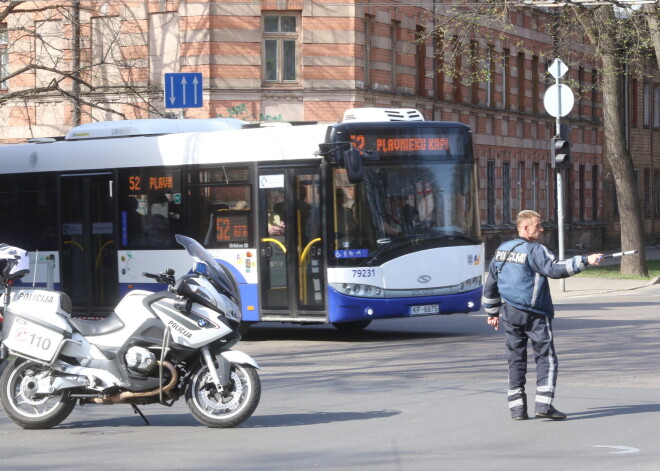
<point x="156" y="227"/>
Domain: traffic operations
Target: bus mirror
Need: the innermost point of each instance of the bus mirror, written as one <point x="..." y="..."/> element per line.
<point x="353" y="163"/>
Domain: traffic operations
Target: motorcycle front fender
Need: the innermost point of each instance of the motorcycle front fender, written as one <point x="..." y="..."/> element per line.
<point x="234" y="356"/>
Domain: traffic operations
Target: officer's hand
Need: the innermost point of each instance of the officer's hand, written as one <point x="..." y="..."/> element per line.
<point x="494" y="322"/>
<point x="595" y="258"/>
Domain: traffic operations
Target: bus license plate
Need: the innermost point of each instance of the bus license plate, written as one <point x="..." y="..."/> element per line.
<point x="424" y="309"/>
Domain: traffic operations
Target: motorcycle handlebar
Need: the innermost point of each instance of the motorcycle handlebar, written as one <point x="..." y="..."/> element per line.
<point x="165" y="277"/>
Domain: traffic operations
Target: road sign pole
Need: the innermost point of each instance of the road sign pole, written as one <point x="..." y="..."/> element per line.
<point x="559" y="101"/>
<point x="560" y="190"/>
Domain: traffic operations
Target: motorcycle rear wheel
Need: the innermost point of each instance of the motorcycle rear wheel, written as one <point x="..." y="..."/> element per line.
<point x="29" y="410"/>
<point x="218" y="410"/>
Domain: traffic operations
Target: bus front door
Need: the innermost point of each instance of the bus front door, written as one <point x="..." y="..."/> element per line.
<point x="291" y="262"/>
<point x="89" y="258"/>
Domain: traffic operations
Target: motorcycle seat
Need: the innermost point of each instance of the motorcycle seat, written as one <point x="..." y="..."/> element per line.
<point x="99" y="327"/>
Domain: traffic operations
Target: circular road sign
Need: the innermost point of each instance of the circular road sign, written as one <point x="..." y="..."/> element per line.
<point x="558" y="100"/>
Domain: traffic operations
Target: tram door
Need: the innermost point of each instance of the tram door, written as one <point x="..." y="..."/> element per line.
<point x="291" y="262"/>
<point x="89" y="258"/>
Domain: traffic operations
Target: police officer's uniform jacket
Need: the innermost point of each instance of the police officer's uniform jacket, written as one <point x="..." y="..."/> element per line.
<point x="518" y="277"/>
<point x="526" y="267"/>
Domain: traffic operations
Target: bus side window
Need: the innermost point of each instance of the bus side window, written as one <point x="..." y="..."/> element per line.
<point x="219" y="214"/>
<point x="150" y="207"/>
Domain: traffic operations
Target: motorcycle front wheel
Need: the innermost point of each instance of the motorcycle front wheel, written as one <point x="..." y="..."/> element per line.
<point x="228" y="408"/>
<point x="23" y="405"/>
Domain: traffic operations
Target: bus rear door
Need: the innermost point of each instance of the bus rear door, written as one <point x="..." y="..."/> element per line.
<point x="291" y="262"/>
<point x="89" y="257"/>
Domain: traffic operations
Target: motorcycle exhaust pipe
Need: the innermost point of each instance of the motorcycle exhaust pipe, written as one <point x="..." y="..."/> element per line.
<point x="126" y="396"/>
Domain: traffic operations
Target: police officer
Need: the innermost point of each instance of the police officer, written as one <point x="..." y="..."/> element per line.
<point x="517" y="286"/>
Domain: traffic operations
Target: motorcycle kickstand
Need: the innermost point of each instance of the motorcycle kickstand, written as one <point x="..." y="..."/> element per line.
<point x="138" y="411"/>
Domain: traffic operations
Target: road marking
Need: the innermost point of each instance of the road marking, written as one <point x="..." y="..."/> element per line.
<point x="623" y="449"/>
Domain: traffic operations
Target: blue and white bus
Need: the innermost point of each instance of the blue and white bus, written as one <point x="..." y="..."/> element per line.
<point x="375" y="217"/>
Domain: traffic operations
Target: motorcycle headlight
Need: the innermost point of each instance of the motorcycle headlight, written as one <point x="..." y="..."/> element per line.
<point x="204" y="295"/>
<point x="233" y="312"/>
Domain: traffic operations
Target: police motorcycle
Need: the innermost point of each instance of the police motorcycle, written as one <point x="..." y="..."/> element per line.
<point x="153" y="349"/>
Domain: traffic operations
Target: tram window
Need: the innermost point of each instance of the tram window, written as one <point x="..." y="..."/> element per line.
<point x="28" y="209"/>
<point x="150" y="207"/>
<point x="219" y="215"/>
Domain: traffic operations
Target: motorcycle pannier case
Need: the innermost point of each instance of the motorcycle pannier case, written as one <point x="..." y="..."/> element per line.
<point x="34" y="326"/>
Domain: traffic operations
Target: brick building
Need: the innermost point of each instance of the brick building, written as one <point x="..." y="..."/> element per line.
<point x="310" y="60"/>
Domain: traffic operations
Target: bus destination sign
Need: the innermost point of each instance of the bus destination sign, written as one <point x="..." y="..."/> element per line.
<point x="387" y="145"/>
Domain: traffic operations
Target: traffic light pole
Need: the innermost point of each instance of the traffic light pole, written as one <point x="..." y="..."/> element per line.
<point x="560" y="201"/>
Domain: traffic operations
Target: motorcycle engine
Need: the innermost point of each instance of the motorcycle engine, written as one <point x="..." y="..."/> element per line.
<point x="140" y="359"/>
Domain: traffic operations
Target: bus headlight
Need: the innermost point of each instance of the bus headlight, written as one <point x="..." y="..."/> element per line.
<point x="359" y="290"/>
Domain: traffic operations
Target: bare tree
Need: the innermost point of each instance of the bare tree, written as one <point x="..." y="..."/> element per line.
<point x="78" y="51"/>
<point x="618" y="43"/>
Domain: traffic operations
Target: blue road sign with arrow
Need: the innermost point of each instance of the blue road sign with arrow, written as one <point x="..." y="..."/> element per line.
<point x="183" y="90"/>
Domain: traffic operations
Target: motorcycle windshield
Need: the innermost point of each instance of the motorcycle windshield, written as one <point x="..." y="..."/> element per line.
<point x="214" y="270"/>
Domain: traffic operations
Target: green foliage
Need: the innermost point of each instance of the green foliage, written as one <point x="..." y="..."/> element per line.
<point x="241" y="112"/>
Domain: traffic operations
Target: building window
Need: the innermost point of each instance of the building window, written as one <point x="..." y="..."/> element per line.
<point x="535" y="84"/>
<point x="581" y="195"/>
<point x="548" y="192"/>
<point x="440" y="67"/>
<point x="535" y="186"/>
<point x="633" y="102"/>
<point x="656" y="106"/>
<point x="521" y="186"/>
<point x="580" y="92"/>
<point x="506" y="192"/>
<point x="490" y="84"/>
<point x="4" y="61"/>
<point x="280" y="48"/>
<point x="521" y="81"/>
<point x="457" y="77"/>
<point x="646" y="104"/>
<point x="656" y="189"/>
<point x="474" y="73"/>
<point x="648" y="193"/>
<point x="490" y="192"/>
<point x="594" y="94"/>
<point x="594" y="193"/>
<point x="368" y="28"/>
<point x="505" y="79"/>
<point x="394" y="34"/>
<point x="421" y="61"/>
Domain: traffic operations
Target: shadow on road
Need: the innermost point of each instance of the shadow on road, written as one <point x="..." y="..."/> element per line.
<point x="314" y="418"/>
<point x="128" y="423"/>
<point x="599" y="412"/>
<point x="327" y="333"/>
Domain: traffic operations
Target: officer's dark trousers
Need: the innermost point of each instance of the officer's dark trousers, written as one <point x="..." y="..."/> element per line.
<point x="518" y="327"/>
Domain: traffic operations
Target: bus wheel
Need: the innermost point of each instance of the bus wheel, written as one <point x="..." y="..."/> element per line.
<point x="353" y="327"/>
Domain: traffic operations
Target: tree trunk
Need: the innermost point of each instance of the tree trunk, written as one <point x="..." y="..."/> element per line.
<point x="630" y="214"/>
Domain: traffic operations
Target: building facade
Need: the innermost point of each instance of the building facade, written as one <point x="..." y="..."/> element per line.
<point x="310" y="60"/>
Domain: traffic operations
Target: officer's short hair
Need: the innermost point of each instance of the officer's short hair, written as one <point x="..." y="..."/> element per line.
<point x="526" y="215"/>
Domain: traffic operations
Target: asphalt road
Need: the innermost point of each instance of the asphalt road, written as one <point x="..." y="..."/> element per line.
<point x="417" y="394"/>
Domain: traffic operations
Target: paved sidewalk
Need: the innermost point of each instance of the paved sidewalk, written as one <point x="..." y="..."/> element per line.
<point x="583" y="285"/>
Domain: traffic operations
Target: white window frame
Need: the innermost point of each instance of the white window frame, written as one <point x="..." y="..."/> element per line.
<point x="280" y="39"/>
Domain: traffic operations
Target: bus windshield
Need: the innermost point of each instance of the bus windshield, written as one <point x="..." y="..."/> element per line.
<point x="401" y="207"/>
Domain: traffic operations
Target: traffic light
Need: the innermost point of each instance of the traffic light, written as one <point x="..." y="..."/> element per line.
<point x="560" y="153"/>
